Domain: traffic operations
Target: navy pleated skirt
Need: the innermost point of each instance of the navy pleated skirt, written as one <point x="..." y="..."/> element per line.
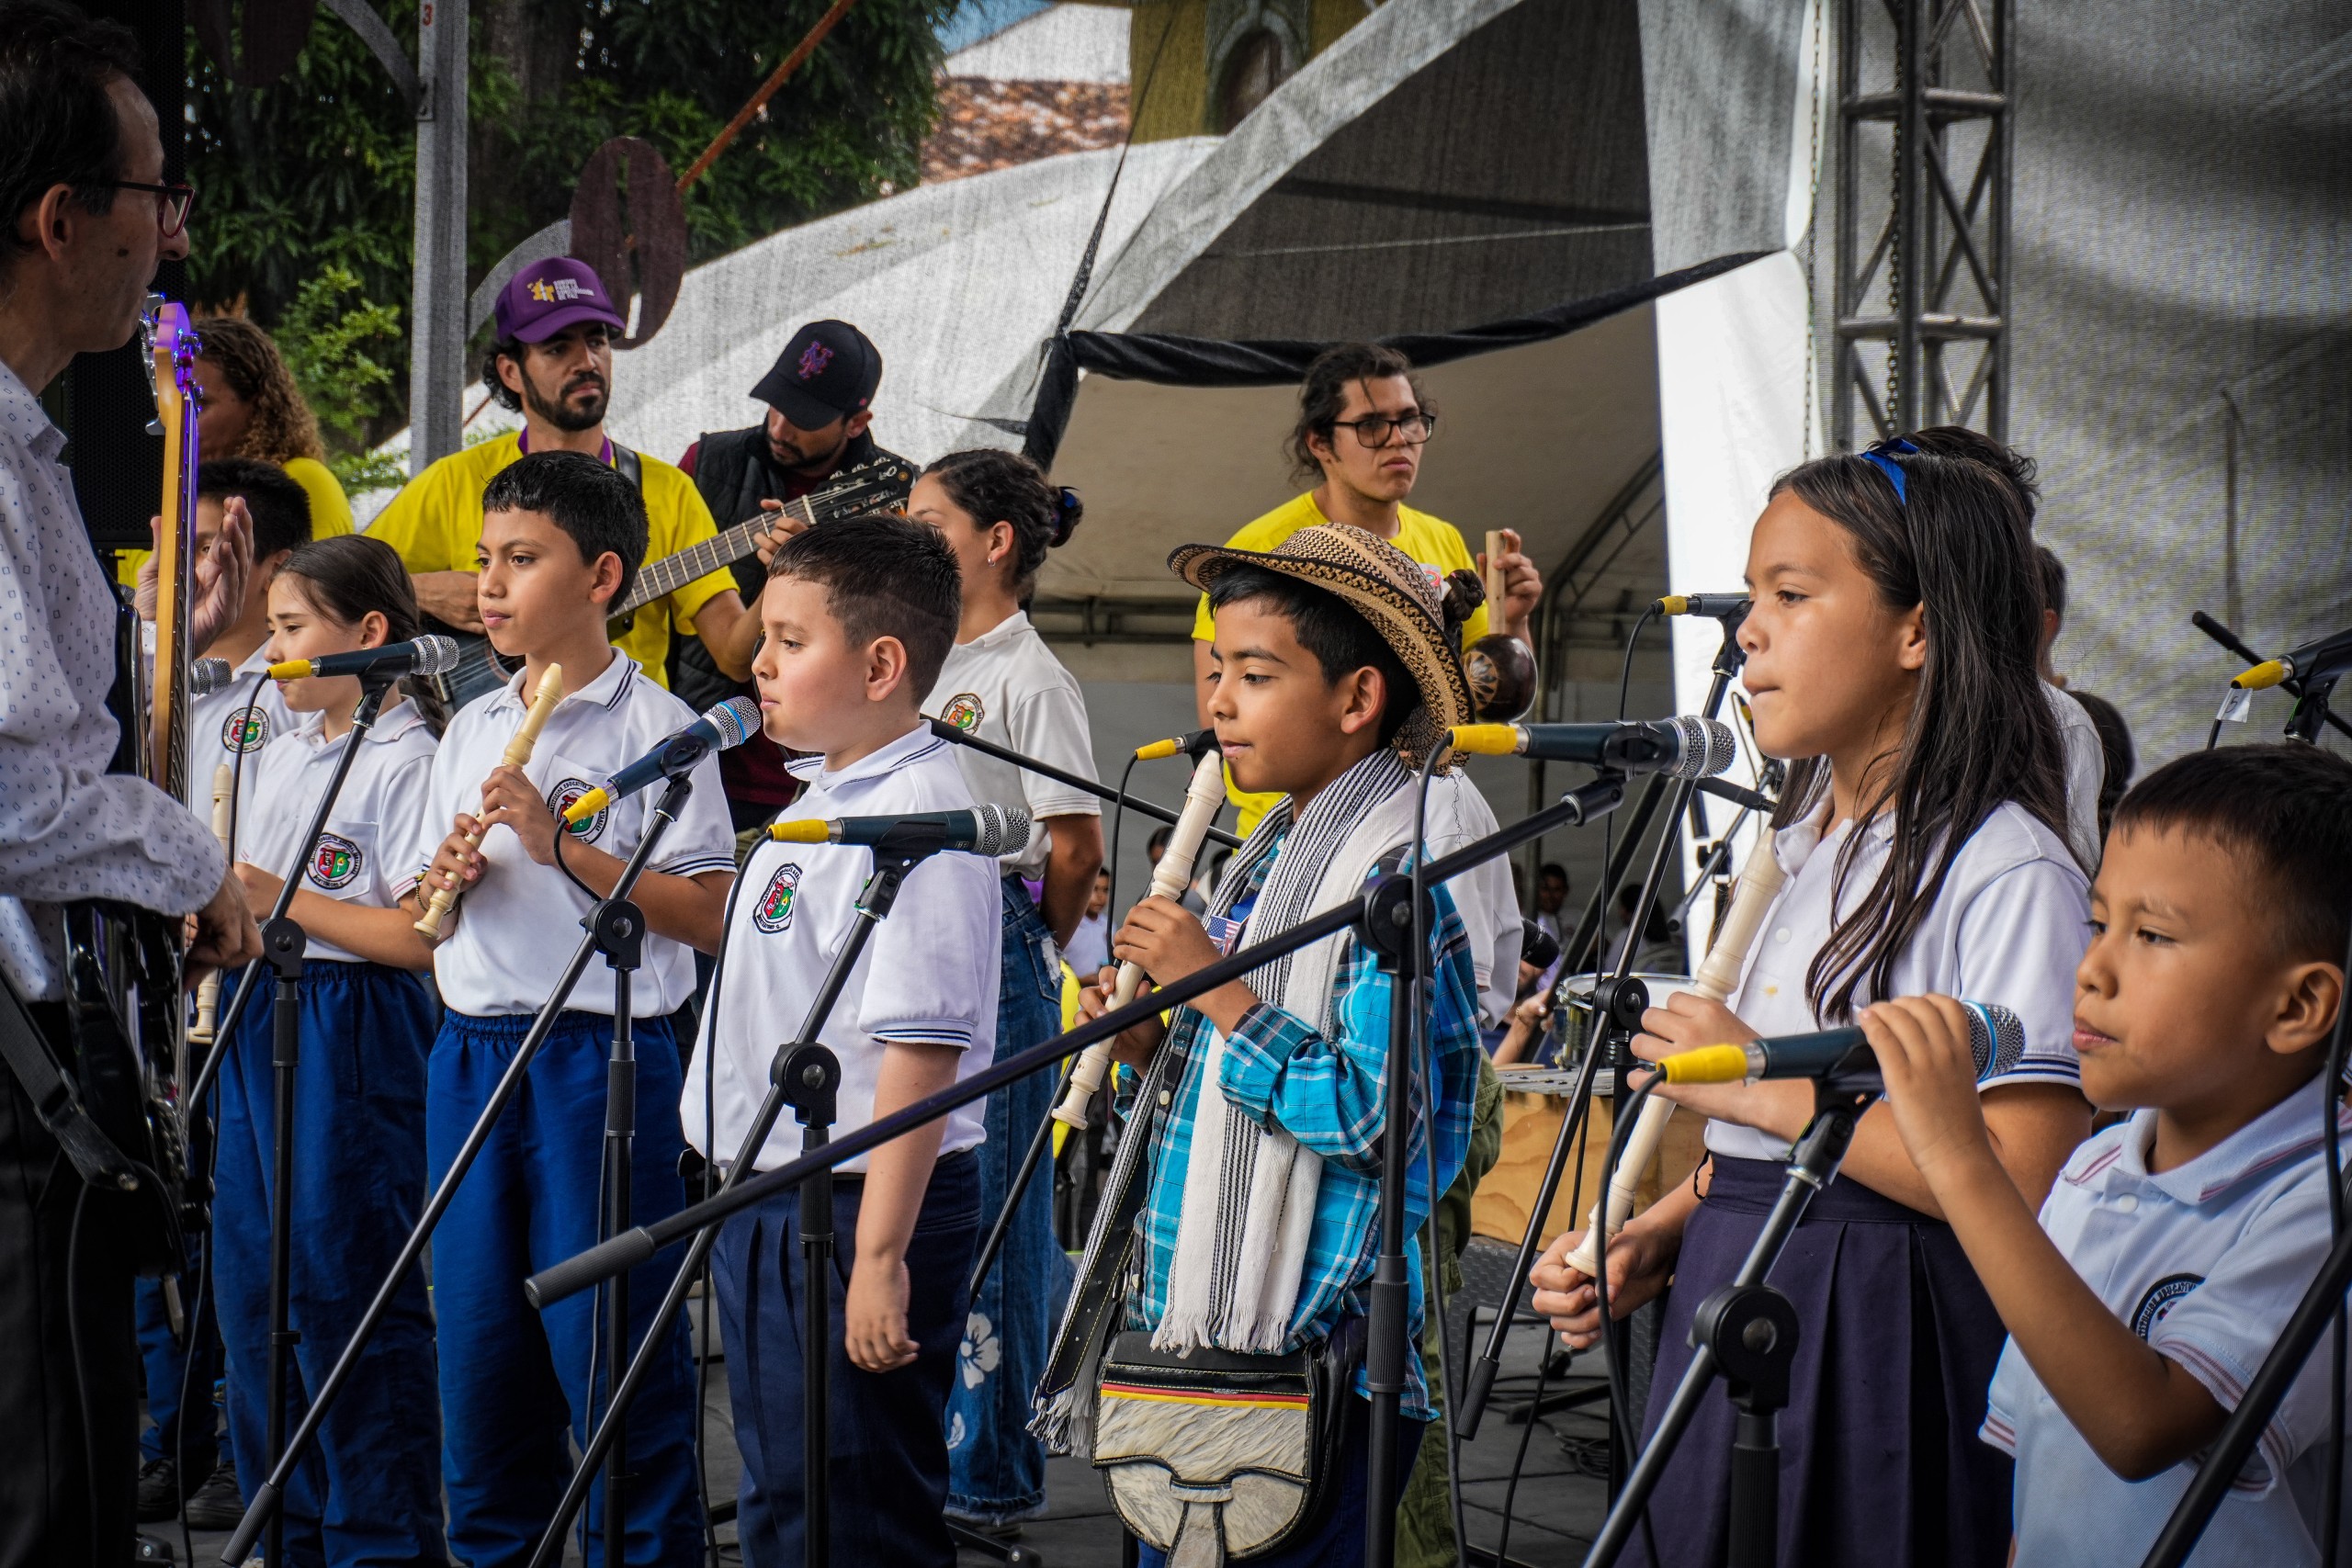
<point x="1881" y="1466"/>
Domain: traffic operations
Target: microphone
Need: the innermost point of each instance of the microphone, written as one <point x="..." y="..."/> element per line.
<point x="1841" y="1057"/>
<point x="1537" y="945"/>
<point x="426" y="656"/>
<point x="207" y="676"/>
<point x="1188" y="744"/>
<point x="1683" y="747"/>
<point x="1720" y="606"/>
<point x="2323" y="660"/>
<point x="728" y="724"/>
<point x="983" y="830"/>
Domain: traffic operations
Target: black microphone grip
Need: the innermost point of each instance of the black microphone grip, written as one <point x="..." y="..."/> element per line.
<point x="603" y="1261"/>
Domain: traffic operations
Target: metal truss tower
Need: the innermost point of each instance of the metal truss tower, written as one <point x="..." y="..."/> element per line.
<point x="1922" y="254"/>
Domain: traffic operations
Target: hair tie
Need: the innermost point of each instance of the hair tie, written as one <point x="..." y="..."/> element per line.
<point x="1881" y="458"/>
<point x="1067" y="511"/>
<point x="1463" y="592"/>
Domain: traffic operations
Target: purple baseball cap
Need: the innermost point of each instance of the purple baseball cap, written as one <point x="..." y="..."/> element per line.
<point x="546" y="297"/>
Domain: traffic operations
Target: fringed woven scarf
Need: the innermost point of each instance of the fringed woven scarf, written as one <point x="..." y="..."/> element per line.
<point x="1249" y="1206"/>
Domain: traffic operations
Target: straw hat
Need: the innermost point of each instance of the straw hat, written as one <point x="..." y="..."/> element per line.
<point x="1391" y="590"/>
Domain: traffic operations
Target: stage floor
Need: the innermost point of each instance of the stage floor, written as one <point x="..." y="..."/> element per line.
<point x="1554" y="1511"/>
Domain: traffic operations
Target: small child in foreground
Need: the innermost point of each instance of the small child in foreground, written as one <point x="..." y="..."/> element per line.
<point x="2174" y="1244"/>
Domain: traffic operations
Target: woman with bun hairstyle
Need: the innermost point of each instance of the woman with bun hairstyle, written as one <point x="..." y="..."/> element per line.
<point x="1000" y="514"/>
<point x="1891" y="651"/>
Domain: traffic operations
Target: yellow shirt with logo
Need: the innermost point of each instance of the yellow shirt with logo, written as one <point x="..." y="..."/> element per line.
<point x="1435" y="543"/>
<point x="435" y="522"/>
<point x="330" y="512"/>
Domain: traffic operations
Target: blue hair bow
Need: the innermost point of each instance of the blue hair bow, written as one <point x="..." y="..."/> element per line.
<point x="1882" y="458"/>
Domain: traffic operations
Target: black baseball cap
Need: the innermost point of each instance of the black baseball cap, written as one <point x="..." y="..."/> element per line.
<point x="828" y="371"/>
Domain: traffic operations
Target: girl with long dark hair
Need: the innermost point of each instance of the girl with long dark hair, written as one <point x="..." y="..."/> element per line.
<point x="1000" y="515"/>
<point x="370" y="1491"/>
<point x="1891" y="659"/>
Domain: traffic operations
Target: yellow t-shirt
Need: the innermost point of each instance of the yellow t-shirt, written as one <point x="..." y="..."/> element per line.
<point x="330" y="513"/>
<point x="435" y="522"/>
<point x="1435" y="543"/>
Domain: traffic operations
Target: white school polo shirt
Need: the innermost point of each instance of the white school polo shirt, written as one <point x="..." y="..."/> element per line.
<point x="928" y="976"/>
<point x="364" y="857"/>
<point x="1005" y="685"/>
<point x="513" y="931"/>
<point x="2010" y="927"/>
<point x="225" y="723"/>
<point x="2205" y="1262"/>
<point x="2085" y="772"/>
<point x="1458" y="814"/>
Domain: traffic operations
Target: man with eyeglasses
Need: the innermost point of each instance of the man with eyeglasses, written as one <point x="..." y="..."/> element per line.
<point x="87" y="216"/>
<point x="1363" y="425"/>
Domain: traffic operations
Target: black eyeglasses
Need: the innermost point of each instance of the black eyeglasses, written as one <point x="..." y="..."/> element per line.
<point x="1372" y="430"/>
<point x="172" y="201"/>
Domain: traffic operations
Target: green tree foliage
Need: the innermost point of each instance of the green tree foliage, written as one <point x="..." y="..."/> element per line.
<point x="317" y="170"/>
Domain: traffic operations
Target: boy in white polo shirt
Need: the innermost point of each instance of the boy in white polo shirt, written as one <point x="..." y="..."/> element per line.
<point x="859" y="615"/>
<point x="2174" y="1246"/>
<point x="562" y="535"/>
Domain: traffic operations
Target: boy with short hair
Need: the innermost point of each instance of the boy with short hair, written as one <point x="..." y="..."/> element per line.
<point x="859" y="615"/>
<point x="2174" y="1244"/>
<point x="1332" y="673"/>
<point x="236" y="718"/>
<point x="562" y="535"/>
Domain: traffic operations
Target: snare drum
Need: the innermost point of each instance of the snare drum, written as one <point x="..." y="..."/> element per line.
<point x="1572" y="1010"/>
<point x="1536" y="1102"/>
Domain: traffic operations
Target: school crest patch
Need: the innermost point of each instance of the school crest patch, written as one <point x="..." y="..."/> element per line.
<point x="2160" y="1300"/>
<point x="964" y="710"/>
<point x="772" y="913"/>
<point x="560" y="799"/>
<point x="247" y="731"/>
<point x="336" y="862"/>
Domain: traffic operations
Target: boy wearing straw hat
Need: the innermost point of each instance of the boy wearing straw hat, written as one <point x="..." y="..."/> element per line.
<point x="1252" y="1191"/>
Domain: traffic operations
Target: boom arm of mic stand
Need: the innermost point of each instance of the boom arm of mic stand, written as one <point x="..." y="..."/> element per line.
<point x="372" y="689"/>
<point x="2229" y="639"/>
<point x="947" y="731"/>
<point x="625" y="1251"/>
<point x="271" y="1494"/>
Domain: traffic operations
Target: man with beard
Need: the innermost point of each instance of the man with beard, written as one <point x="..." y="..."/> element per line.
<point x="553" y="362"/>
<point x="821" y="400"/>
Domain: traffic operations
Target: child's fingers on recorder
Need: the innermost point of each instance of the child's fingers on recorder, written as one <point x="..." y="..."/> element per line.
<point x="1640" y="1265"/>
<point x="1685" y="1023"/>
<point x="1134" y="1044"/>
<point x="456" y="863"/>
<point x="509" y="799"/>
<point x="1167" y="939"/>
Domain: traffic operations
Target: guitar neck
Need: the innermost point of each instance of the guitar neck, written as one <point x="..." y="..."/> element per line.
<point x="671" y="573"/>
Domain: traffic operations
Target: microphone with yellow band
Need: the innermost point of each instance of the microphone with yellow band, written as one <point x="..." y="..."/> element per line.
<point x="983" y="830"/>
<point x="721" y="728"/>
<point x="1684" y="748"/>
<point x="2327" y="659"/>
<point x="1191" y="743"/>
<point x="1719" y="606"/>
<point x="423" y="656"/>
<point x="1842" y="1057"/>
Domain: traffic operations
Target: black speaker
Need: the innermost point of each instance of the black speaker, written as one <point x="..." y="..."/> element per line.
<point x="117" y="466"/>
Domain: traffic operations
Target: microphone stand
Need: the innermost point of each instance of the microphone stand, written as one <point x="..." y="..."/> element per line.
<point x="1618" y="1002"/>
<point x="270" y="1495"/>
<point x="283" y="942"/>
<point x="947" y="731"/>
<point x="1748" y="1330"/>
<point x="804" y="1075"/>
<point x="2229" y="639"/>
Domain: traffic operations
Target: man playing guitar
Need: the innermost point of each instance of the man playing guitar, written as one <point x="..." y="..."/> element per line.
<point x="820" y="402"/>
<point x="87" y="219"/>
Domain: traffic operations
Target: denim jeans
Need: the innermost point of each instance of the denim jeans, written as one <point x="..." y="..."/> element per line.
<point x="996" y="1470"/>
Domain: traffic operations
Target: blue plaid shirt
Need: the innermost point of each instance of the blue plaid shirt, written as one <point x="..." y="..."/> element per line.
<point x="1330" y="1093"/>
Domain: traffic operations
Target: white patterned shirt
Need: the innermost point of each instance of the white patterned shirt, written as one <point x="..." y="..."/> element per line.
<point x="67" y="829"/>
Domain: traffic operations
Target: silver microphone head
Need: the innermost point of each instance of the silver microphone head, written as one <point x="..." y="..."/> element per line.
<point x="435" y="655"/>
<point x="1003" y="831"/>
<point x="737" y="720"/>
<point x="1708" y="747"/>
<point x="207" y="676"/>
<point x="1995" y="1038"/>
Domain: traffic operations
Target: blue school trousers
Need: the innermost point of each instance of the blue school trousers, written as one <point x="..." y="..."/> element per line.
<point x="889" y="1465"/>
<point x="514" y="1388"/>
<point x="996" y="1470"/>
<point x="369" y="1491"/>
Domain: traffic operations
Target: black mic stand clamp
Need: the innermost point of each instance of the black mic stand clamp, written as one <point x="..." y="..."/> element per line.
<point x="1751" y="1330"/>
<point x="808" y="1079"/>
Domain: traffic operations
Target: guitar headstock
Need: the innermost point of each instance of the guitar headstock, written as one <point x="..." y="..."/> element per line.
<point x="171" y="346"/>
<point x="879" y="484"/>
